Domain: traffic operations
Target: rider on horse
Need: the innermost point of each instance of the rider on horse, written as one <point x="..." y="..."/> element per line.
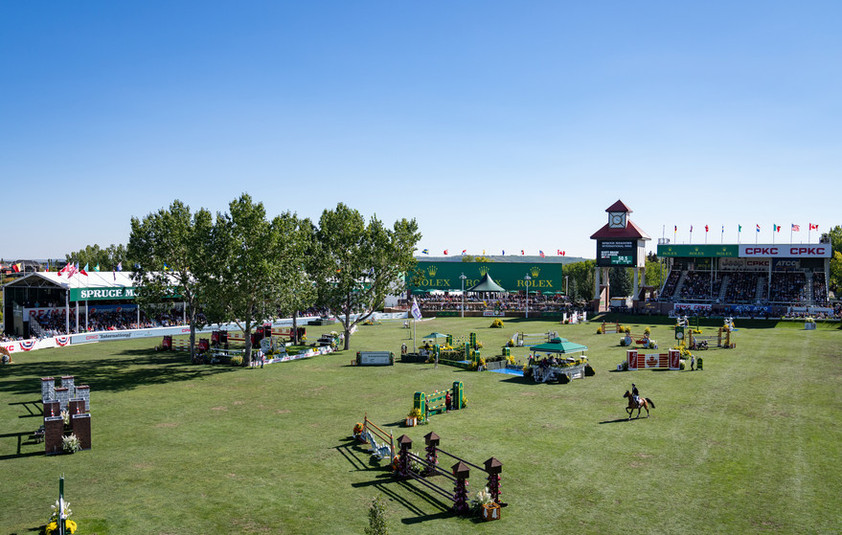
<point x="635" y="395"/>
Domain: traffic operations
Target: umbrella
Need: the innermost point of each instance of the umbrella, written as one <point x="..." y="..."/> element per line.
<point x="560" y="345"/>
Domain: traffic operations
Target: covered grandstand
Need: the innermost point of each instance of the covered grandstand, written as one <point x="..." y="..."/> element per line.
<point x="745" y="279"/>
<point x="47" y="303"/>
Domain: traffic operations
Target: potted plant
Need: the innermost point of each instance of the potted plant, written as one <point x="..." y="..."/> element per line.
<point x="413" y="417"/>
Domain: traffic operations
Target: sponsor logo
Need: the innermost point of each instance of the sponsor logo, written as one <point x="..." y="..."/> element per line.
<point x="91" y="337"/>
<point x="483" y="270"/>
<point x="432" y="270"/>
<point x="535" y="271"/>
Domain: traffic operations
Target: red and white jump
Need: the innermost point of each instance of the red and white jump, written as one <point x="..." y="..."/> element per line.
<point x="637" y="360"/>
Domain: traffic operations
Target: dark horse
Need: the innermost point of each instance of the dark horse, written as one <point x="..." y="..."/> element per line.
<point x="645" y="403"/>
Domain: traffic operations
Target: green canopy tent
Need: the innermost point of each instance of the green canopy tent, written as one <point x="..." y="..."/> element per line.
<point x="434" y="335"/>
<point x="486" y="285"/>
<point x="559" y="345"/>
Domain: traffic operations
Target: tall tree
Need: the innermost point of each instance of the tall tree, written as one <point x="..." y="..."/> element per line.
<point x="580" y="280"/>
<point x="247" y="279"/>
<point x="169" y="250"/>
<point x="834" y="238"/>
<point x="357" y="264"/>
<point x="297" y="291"/>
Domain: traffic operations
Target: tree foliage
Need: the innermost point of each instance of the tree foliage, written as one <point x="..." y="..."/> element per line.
<point x="580" y="280"/>
<point x="169" y="250"/>
<point x="93" y="255"/>
<point x="356" y="265"/>
<point x="246" y="278"/>
<point x="834" y="237"/>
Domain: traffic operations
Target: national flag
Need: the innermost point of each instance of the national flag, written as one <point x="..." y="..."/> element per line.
<point x="464" y="252"/>
<point x="84" y="270"/>
<point x="541" y="253"/>
<point x="96" y="267"/>
<point x="71" y="270"/>
<point x="723" y="228"/>
<point x="425" y="251"/>
<point x="16" y="267"/>
<point x="445" y="252"/>
<point x="776" y="228"/>
<point x="64" y="269"/>
<point x="706" y="228"/>
<point x="416" y="312"/>
<point x="814" y="227"/>
<point x="676" y="228"/>
<point x="521" y="252"/>
<point x="758" y="228"/>
<point x="504" y="252"/>
<point x="691" y="228"/>
<point x="796" y="228"/>
<point x="739" y="228"/>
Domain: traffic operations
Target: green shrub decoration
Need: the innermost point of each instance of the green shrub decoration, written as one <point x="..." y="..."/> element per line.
<point x="237" y="361"/>
<point x="497" y="323"/>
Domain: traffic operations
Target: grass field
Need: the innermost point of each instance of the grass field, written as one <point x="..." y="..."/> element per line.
<point x="752" y="444"/>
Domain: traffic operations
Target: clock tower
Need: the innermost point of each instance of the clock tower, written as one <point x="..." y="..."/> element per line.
<point x="620" y="243"/>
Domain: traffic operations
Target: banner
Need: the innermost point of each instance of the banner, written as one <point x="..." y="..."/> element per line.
<point x="699" y="251"/>
<point x="812" y="250"/>
<point x="544" y="277"/>
<point x="101" y="294"/>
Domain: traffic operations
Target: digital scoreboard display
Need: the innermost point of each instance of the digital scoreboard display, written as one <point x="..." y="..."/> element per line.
<point x="616" y="253"/>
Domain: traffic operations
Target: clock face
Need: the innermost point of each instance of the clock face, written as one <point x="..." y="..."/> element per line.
<point x="679" y="335"/>
<point x="617" y="220"/>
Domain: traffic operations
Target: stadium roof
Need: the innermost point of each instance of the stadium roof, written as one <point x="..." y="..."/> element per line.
<point x="487" y="284"/>
<point x="95" y="279"/>
<point x="618" y="206"/>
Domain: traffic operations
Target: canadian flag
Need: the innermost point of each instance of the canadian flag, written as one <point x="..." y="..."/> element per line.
<point x="814" y="227"/>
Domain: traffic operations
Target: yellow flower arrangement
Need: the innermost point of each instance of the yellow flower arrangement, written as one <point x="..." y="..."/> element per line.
<point x="52" y="527"/>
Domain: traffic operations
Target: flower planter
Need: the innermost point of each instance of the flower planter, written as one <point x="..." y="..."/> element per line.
<point x="490" y="511"/>
<point x="411" y="422"/>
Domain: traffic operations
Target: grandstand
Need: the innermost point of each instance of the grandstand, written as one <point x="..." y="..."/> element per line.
<point x="745" y="279"/>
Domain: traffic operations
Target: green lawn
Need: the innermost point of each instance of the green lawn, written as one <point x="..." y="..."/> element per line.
<point x="749" y="445"/>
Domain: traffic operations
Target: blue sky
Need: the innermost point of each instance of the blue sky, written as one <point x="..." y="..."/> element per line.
<point x="496" y="125"/>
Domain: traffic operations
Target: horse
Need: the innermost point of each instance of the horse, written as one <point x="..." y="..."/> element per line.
<point x="644" y="403"/>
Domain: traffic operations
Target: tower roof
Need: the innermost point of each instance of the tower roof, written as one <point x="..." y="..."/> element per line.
<point x="619" y="206"/>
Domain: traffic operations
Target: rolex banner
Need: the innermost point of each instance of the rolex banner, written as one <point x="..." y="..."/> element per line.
<point x="544" y="277"/>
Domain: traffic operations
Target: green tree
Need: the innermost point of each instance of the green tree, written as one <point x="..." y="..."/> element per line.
<point x="621" y="280"/>
<point x="297" y="291"/>
<point x="655" y="272"/>
<point x="357" y="264"/>
<point x="834" y="237"/>
<point x="169" y="249"/>
<point x="580" y="280"/>
<point x="478" y="258"/>
<point x="246" y="283"/>
<point x="93" y="256"/>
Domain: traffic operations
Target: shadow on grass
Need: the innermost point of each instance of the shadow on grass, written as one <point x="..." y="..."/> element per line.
<point x="21" y="442"/>
<point x="618" y="420"/>
<point x="386" y="483"/>
<point x="125" y="371"/>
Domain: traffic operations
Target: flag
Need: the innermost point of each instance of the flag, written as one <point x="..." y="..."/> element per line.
<point x="16" y="267"/>
<point x="814" y="227"/>
<point x="96" y="267"/>
<point x="464" y="252"/>
<point x="63" y="270"/>
<point x="425" y="251"/>
<point x="796" y="228"/>
<point x="541" y="253"/>
<point x="84" y="270"/>
<point x="504" y="252"/>
<point x="72" y="270"/>
<point x="691" y="228"/>
<point x="166" y="267"/>
<point x="676" y="228"/>
<point x="723" y="228"/>
<point x="445" y="252"/>
<point x="119" y="267"/>
<point x="758" y="228"/>
<point x="416" y="312"/>
<point x="706" y="228"/>
<point x="739" y="228"/>
<point x="521" y="252"/>
<point x="776" y="228"/>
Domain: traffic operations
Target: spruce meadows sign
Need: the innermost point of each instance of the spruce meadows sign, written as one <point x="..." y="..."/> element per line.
<point x="101" y="294"/>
